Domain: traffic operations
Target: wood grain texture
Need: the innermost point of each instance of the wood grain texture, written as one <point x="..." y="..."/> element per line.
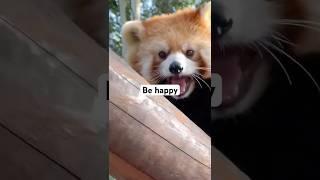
<point x="20" y="161"/>
<point x="150" y="133"/>
<point x="57" y="34"/>
<point x="123" y="170"/>
<point x="48" y="75"/>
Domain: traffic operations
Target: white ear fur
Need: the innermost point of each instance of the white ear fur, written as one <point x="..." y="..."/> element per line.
<point x="132" y="32"/>
<point x="205" y="11"/>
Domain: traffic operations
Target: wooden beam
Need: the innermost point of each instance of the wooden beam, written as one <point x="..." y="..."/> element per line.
<point x="20" y="161"/>
<point x="48" y="77"/>
<point x="121" y="169"/>
<point x="150" y="133"/>
<point x="154" y="137"/>
<point x="55" y="33"/>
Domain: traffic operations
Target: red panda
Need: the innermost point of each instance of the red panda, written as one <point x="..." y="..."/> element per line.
<point x="248" y="35"/>
<point x="171" y="48"/>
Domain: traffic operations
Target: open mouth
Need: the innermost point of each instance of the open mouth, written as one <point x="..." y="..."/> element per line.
<point x="185" y="83"/>
<point x="237" y="67"/>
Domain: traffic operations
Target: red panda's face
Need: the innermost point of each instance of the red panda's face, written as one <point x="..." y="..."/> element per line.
<point x="248" y="36"/>
<point x="162" y="62"/>
<point x="171" y="49"/>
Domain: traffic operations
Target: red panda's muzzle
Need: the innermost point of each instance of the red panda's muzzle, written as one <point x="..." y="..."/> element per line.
<point x="183" y="81"/>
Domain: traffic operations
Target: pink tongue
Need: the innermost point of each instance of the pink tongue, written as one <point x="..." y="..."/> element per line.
<point x="230" y="72"/>
<point x="181" y="82"/>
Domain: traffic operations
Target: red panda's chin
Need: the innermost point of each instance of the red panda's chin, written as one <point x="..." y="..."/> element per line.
<point x="186" y="84"/>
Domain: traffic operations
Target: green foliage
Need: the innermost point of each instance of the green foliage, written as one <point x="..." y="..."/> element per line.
<point x="114" y="26"/>
<point x="170" y="6"/>
<point x="148" y="8"/>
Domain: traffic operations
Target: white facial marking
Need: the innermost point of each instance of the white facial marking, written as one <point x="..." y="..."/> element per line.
<point x="145" y="64"/>
<point x="189" y="67"/>
<point x="146" y="56"/>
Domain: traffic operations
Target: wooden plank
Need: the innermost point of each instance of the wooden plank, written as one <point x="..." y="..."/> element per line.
<point x="120" y="169"/>
<point x="47" y="26"/>
<point x="150" y="133"/>
<point x="49" y="105"/>
<point x="138" y="126"/>
<point x="223" y="168"/>
<point x="20" y="161"/>
<point x="149" y="152"/>
<point x="123" y="72"/>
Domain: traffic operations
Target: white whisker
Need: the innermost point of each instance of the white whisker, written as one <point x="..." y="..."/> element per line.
<point x="203" y="68"/>
<point x="278" y="42"/>
<point x="299" y="64"/>
<point x="197" y="75"/>
<point x="281" y="35"/>
<point x="308" y="22"/>
<point x="300" y="25"/>
<point x="258" y="49"/>
<point x="283" y="40"/>
<point x="157" y="78"/>
<point x="278" y="60"/>
<point x="194" y="77"/>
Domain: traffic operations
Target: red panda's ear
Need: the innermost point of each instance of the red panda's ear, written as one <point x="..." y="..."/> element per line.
<point x="205" y="12"/>
<point x="132" y="32"/>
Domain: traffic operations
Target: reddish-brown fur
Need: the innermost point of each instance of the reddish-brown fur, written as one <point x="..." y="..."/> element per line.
<point x="188" y="26"/>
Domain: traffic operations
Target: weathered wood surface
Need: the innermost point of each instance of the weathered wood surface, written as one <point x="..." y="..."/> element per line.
<point x="223" y="168"/>
<point x="123" y="170"/>
<point x="150" y="133"/>
<point x="20" y="161"/>
<point x="56" y="33"/>
<point x="48" y="83"/>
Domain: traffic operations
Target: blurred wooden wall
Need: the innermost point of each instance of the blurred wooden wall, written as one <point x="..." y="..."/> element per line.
<point x="48" y="84"/>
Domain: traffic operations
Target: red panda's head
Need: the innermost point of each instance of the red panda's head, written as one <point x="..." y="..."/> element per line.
<point x="172" y="48"/>
<point x="249" y="35"/>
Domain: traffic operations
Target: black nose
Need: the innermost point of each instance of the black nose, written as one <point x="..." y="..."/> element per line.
<point x="175" y="68"/>
<point x="221" y="25"/>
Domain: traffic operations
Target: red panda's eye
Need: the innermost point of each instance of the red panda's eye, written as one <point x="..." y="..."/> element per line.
<point x="189" y="53"/>
<point x="162" y="54"/>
